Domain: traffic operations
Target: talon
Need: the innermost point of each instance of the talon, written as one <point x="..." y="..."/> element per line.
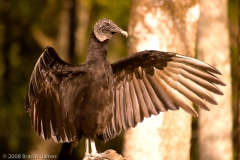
<point x="86" y="157"/>
<point x="95" y="154"/>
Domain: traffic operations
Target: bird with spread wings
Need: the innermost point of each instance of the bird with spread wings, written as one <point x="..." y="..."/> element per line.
<point x="97" y="99"/>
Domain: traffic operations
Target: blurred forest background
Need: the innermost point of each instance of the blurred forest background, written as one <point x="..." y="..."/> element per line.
<point x="27" y="27"/>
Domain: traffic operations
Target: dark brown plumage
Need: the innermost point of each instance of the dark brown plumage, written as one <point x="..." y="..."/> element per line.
<point x="100" y="99"/>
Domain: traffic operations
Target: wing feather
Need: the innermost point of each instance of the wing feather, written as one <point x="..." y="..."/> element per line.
<point x="157" y="103"/>
<point x="156" y="81"/>
<point x="135" y="103"/>
<point x="123" y="109"/>
<point x="117" y="115"/>
<point x="147" y="99"/>
<point x="49" y="102"/>
<point x="167" y="102"/>
<point x="194" y="62"/>
<point x="196" y="72"/>
<point x="142" y="104"/>
<point x="172" y="93"/>
<point x="113" y="122"/>
<point x="198" y="90"/>
<point x="170" y="79"/>
<point x="128" y="105"/>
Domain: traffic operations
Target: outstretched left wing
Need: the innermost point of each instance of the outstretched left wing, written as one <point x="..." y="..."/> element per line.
<point x="150" y="82"/>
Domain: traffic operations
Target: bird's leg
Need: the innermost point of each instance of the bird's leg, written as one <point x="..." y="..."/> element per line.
<point x="93" y="147"/>
<point x="87" y="149"/>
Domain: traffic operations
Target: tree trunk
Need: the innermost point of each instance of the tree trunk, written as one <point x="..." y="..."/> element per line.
<point x="215" y="127"/>
<point x="66" y="39"/>
<point x="72" y="29"/>
<point x="238" y="100"/>
<point x="166" y="26"/>
<point x="83" y="13"/>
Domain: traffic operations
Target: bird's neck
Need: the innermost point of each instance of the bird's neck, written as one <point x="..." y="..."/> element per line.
<point x="97" y="50"/>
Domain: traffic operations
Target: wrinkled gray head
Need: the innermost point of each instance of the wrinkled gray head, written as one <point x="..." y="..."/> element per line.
<point x="104" y="29"/>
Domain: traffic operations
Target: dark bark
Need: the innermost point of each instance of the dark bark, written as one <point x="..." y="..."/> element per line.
<point x="238" y="108"/>
<point x="72" y="29"/>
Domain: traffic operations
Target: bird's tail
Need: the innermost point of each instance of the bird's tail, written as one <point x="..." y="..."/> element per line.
<point x="66" y="150"/>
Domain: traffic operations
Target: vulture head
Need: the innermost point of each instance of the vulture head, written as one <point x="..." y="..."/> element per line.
<point x="104" y="29"/>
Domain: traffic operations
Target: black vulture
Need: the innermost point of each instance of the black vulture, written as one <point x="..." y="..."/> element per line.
<point x="97" y="99"/>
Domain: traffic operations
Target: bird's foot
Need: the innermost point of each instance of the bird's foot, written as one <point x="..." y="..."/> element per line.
<point x="107" y="155"/>
<point x="91" y="156"/>
<point x="95" y="154"/>
<point x="86" y="156"/>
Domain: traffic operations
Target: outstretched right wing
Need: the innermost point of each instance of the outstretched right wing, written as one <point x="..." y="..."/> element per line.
<point x="54" y="90"/>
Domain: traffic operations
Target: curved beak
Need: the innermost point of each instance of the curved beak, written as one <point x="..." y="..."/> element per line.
<point x="124" y="33"/>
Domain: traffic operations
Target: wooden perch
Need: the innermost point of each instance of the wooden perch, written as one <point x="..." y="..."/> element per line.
<point x="108" y="155"/>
